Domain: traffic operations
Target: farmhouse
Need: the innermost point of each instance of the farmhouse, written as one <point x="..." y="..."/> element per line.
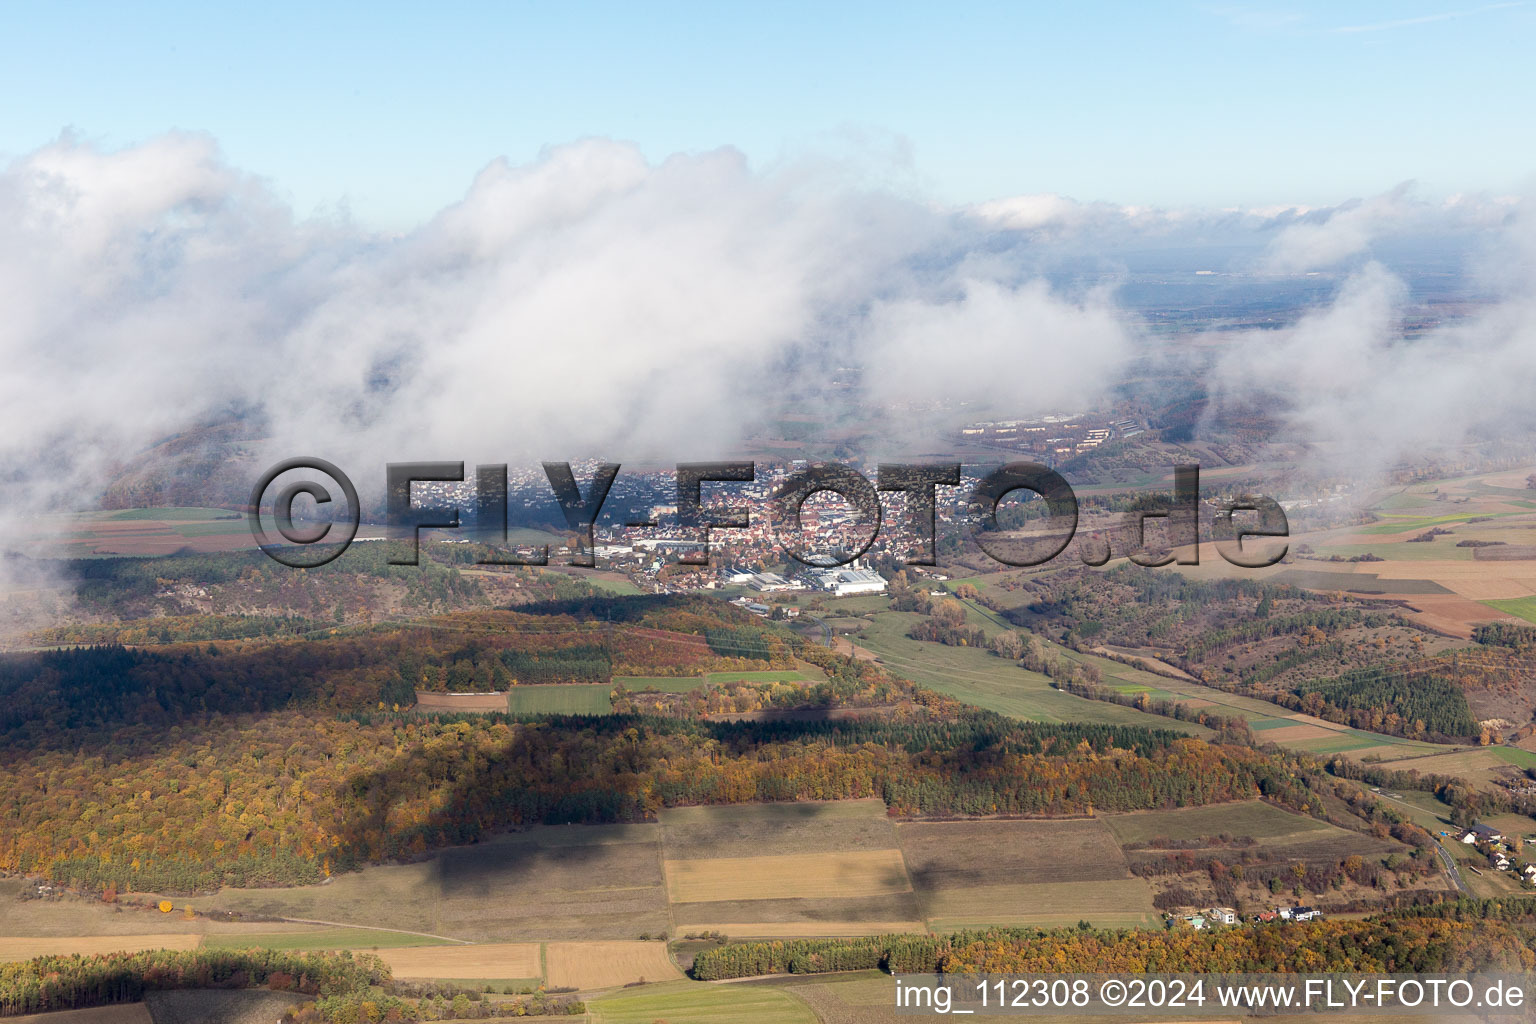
<point x="1223" y="915"/>
<point x="1299" y="913"/>
<point x="1481" y="834"/>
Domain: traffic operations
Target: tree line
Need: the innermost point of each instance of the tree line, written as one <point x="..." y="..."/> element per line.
<point x="1396" y="944"/>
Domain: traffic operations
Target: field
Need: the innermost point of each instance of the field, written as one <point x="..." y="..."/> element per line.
<point x="981" y="678"/>
<point x="502" y="961"/>
<point x="72" y="917"/>
<point x="1270" y="722"/>
<point x="560" y="699"/>
<point x="665" y="684"/>
<point x="787" y="876"/>
<point x="693" y="1003"/>
<point x="836" y="869"/>
<point x="30" y="947"/>
<point x="591" y="965"/>
<point x="1520" y="607"/>
<point x="558" y="882"/>
<point x="140" y="531"/>
<point x="320" y="938"/>
<point x="683" y="684"/>
<point x="763" y="870"/>
<point x="1249" y="818"/>
<point x="1045" y="873"/>
<point x="1116" y="903"/>
<point x="127" y="1013"/>
<point x="1291" y="835"/>
<point x="747" y="830"/>
<point x="994" y="683"/>
<point x="1478" y="765"/>
<point x="460" y="702"/>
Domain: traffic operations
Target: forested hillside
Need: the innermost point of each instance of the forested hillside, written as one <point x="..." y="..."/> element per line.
<point x="1348" y="661"/>
<point x="273" y="763"/>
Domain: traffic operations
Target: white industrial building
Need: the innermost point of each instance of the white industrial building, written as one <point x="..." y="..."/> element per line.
<point x="771" y="581"/>
<point x="843" y="581"/>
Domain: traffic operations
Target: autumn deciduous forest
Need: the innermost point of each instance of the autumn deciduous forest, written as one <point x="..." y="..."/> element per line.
<point x="276" y="762"/>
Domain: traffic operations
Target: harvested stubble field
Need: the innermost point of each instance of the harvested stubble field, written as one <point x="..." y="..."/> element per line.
<point x="595" y="965"/>
<point x="1108" y="903"/>
<point x="1021" y="872"/>
<point x="861" y="915"/>
<point x="459" y="702"/>
<point x="749" y="830"/>
<point x="1479" y="766"/>
<point x="835" y="869"/>
<point x="788" y="876"/>
<point x="1288" y="835"/>
<point x="502" y="960"/>
<point x="69" y="917"/>
<point x="557" y="882"/>
<point x="1245" y="818"/>
<point x="27" y="948"/>
<point x="953" y="854"/>
<point x="126" y="1013"/>
<point x="694" y="1003"/>
<point x="806" y="928"/>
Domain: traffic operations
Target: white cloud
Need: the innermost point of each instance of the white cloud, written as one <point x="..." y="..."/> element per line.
<point x="592" y="303"/>
<point x="587" y="303"/>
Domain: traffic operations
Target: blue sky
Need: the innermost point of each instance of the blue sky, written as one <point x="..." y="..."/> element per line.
<point x="391" y="109"/>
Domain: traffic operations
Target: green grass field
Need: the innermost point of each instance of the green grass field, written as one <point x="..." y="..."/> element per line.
<point x="1521" y="607"/>
<point x="691" y="1002"/>
<point x="666" y="684"/>
<point x="561" y="699"/>
<point x="328" y="938"/>
<point x="683" y="684"/>
<point x="1340" y="744"/>
<point x="1516" y="756"/>
<point x="175" y="514"/>
<point x="981" y="678"/>
<point x="764" y="676"/>
<point x="1401" y="524"/>
<point x="612" y="583"/>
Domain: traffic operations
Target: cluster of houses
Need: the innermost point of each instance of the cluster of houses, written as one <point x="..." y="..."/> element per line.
<point x="1491" y="842"/>
<point x="1226" y="915"/>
